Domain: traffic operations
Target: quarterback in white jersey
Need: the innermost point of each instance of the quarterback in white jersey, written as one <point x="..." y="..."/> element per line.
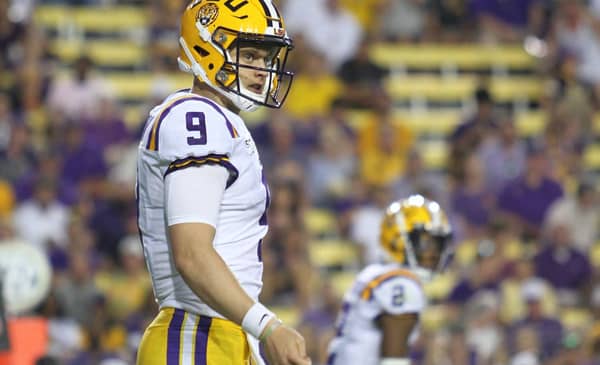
<point x="380" y="312"/>
<point x="202" y="196"/>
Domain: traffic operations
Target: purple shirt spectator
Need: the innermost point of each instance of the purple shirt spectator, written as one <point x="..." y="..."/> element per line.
<point x="503" y="156"/>
<point x="514" y="12"/>
<point x="565" y="267"/>
<point x="80" y="159"/>
<point x="471" y="206"/>
<point x="549" y="330"/>
<point x="466" y="289"/>
<point x="106" y="133"/>
<point x="529" y="203"/>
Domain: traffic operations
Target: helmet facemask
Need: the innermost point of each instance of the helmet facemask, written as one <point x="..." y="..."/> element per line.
<point x="427" y="252"/>
<point x="277" y="81"/>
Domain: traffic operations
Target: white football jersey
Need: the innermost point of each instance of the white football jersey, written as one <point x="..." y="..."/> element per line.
<point x="189" y="130"/>
<point x="378" y="289"/>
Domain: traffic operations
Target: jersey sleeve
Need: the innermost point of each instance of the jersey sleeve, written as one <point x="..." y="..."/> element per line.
<point x="399" y="295"/>
<point x="193" y="132"/>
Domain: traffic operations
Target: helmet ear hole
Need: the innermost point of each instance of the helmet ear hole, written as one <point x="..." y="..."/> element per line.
<point x="201" y="51"/>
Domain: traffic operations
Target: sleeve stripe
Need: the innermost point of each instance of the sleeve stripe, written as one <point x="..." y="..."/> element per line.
<point x="153" y="138"/>
<point x="367" y="292"/>
<point x="205" y="160"/>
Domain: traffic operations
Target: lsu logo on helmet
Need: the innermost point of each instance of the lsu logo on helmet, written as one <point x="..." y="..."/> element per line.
<point x="207" y="14"/>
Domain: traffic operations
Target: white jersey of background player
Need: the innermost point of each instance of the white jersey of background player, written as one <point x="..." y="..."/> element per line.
<point x="380" y="312"/>
<point x="203" y="198"/>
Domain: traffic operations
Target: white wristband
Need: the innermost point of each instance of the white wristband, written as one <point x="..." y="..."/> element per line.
<point x="394" y="361"/>
<point x="256" y="319"/>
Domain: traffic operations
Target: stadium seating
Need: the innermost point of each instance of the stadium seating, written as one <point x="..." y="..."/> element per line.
<point x="92" y="19"/>
<point x="438" y="56"/>
<point x="105" y="53"/>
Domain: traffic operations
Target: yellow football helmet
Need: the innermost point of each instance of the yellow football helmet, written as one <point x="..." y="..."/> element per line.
<point x="415" y="232"/>
<point x="213" y="30"/>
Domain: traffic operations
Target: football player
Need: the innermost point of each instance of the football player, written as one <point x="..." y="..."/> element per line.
<point x="380" y="313"/>
<point x="202" y="196"/>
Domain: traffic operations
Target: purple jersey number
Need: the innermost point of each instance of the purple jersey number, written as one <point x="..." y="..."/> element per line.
<point x="196" y="122"/>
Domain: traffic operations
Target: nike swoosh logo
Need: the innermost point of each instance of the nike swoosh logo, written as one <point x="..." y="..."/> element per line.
<point x="263" y="317"/>
<point x="241" y="16"/>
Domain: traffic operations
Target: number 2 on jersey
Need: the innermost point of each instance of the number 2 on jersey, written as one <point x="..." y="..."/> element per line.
<point x="196" y="122"/>
<point x="398" y="295"/>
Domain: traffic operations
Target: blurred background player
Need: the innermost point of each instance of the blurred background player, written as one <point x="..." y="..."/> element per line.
<point x="380" y="313"/>
<point x="203" y="197"/>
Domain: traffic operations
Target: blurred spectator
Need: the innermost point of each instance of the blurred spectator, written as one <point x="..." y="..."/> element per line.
<point x="365" y="11"/>
<point x="469" y="134"/>
<point x="576" y="31"/>
<point x="78" y="96"/>
<point x="527" y="347"/>
<point x="507" y="20"/>
<point x="277" y="141"/>
<point x="365" y="224"/>
<point x="570" y="97"/>
<point x="76" y="293"/>
<point x="581" y="214"/>
<point x="418" y="180"/>
<point x="318" y="321"/>
<point x="527" y="198"/>
<point x="485" y="334"/>
<point x="19" y="156"/>
<point x="572" y="351"/>
<point x="65" y="336"/>
<point x="471" y="200"/>
<point x="567" y="269"/>
<point x="7" y="199"/>
<point x="564" y="145"/>
<point x="107" y="128"/>
<point x="383" y="144"/>
<point x="164" y="27"/>
<point x="125" y="285"/>
<point x="319" y="22"/>
<point x="549" y="330"/>
<point x="450" y="20"/>
<point x="12" y="36"/>
<point x="286" y="251"/>
<point x="522" y="286"/>
<point x="83" y="163"/>
<point x="315" y="88"/>
<point x="484" y="276"/>
<point x="42" y="221"/>
<point x="362" y="77"/>
<point x="7" y="119"/>
<point x="502" y="154"/>
<point x="331" y="167"/>
<point x="48" y="166"/>
<point x="402" y="20"/>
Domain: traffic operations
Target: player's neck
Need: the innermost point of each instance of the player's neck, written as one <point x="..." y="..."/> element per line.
<point x="206" y="91"/>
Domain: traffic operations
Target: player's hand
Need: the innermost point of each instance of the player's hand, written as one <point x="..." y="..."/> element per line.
<point x="285" y="346"/>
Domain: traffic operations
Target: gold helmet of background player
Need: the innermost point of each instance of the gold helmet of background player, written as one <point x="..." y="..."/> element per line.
<point x="415" y="232"/>
<point x="214" y="30"/>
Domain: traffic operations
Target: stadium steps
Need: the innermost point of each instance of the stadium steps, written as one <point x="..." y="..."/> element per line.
<point x="461" y="88"/>
<point x="333" y="254"/>
<point x="425" y="87"/>
<point x="92" y="19"/>
<point x="104" y="53"/>
<point x="320" y="223"/>
<point x="464" y="57"/>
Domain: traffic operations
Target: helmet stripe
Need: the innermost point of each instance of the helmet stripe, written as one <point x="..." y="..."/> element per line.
<point x="271" y="13"/>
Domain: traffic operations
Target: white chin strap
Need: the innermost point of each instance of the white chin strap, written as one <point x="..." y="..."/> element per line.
<point x="195" y="69"/>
